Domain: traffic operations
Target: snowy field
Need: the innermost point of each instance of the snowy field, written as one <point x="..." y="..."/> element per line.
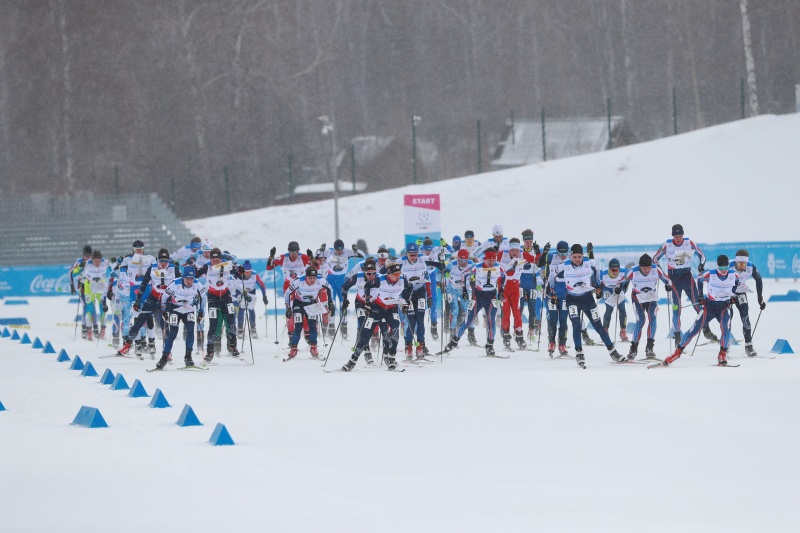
<point x="471" y="444"/>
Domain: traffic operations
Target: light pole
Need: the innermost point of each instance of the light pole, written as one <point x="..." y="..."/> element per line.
<point x="414" y="121"/>
<point x="327" y="129"/>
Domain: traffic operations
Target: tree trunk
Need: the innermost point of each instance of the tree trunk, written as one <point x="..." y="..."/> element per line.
<point x="66" y="102"/>
<point x="748" y="59"/>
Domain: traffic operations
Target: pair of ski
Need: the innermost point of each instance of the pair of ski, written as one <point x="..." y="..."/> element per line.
<point x="199" y="368"/>
<point x="369" y="367"/>
<point x="663" y="364"/>
<point x="645" y="361"/>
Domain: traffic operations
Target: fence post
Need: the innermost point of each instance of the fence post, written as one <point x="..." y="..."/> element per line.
<point x="544" y="140"/>
<point x="743" y="93"/>
<point x="291" y="186"/>
<point x="173" y="192"/>
<point x="513" y="132"/>
<point x="480" y="159"/>
<point x="227" y="189"/>
<point x="353" y="165"/>
<point x="674" y="111"/>
<point x="116" y="179"/>
<point x="608" y="112"/>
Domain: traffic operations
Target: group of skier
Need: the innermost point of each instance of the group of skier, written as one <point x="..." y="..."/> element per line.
<point x="453" y="283"/>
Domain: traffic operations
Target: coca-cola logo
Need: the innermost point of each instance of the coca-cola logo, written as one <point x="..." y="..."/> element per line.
<point x="41" y="284"/>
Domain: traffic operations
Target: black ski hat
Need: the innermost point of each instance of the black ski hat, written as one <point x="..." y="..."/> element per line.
<point x="527" y="235"/>
<point x="97" y="255"/>
<point x="645" y="261"/>
<point x="469" y="234"/>
<point x="393" y="268"/>
<point x="369" y="265"/>
<point x="562" y="247"/>
<point x="677" y="229"/>
<point x="614" y="263"/>
<point x="216" y="252"/>
<point x="577" y="249"/>
<point x="338" y="244"/>
<point x="294" y="247"/>
<point x="163" y="254"/>
<point x="723" y="261"/>
<point x="138" y="244"/>
<point x="311" y="271"/>
<point x="87" y="250"/>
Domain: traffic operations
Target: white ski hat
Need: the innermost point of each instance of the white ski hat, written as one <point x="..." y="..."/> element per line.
<point x="497" y="229"/>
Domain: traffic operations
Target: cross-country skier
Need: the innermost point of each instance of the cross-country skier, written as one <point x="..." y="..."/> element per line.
<point x="415" y="270"/>
<point x="384" y="296"/>
<point x="184" y="253"/>
<point x="530" y="283"/>
<point x="152" y="286"/>
<point x="715" y="305"/>
<point x="94" y="285"/>
<point x="455" y="289"/>
<point x="75" y="269"/>
<point x="747" y="270"/>
<point x="498" y="241"/>
<point x="678" y="252"/>
<point x="556" y="293"/>
<point x="512" y="263"/>
<point x="293" y="265"/>
<point x="610" y="278"/>
<point x="180" y="301"/>
<point x="222" y="277"/>
<point x="362" y="275"/>
<point x="486" y="280"/>
<point x="580" y="279"/>
<point x="305" y="299"/>
<point x="337" y="261"/>
<point x="643" y="280"/>
<point x="471" y="245"/>
<point x="245" y="294"/>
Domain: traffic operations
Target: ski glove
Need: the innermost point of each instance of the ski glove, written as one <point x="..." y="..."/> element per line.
<point x="554" y="299"/>
<point x="546" y="248"/>
<point x="668" y="288"/>
<point x="288" y="313"/>
<point x="322" y="248"/>
<point x="309" y="253"/>
<point x="137" y="304"/>
<point x="536" y="249"/>
<point x="105" y="307"/>
<point x="265" y="300"/>
<point x="442" y="243"/>
<point x="761" y="303"/>
<point x="429" y="302"/>
<point x="701" y="267"/>
<point x="618" y="289"/>
<point x="355" y="248"/>
<point x="590" y="250"/>
<point x="331" y="307"/>
<point x="72" y="289"/>
<point x="598" y="293"/>
<point x="345" y="305"/>
<point x="701" y="301"/>
<point x="272" y="251"/>
<point x="248" y="298"/>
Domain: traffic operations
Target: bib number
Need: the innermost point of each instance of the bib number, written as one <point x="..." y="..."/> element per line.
<point x="573" y="311"/>
<point x="595" y="314"/>
<point x="191" y="317"/>
<point x="368" y="323"/>
<point x="551" y="306"/>
<point x="421" y="304"/>
<point x="742" y="299"/>
<point x="298" y="318"/>
<point x="360" y="312"/>
<point x="212" y="313"/>
<point x="173" y="319"/>
<point x="471" y="305"/>
<point x="87" y="298"/>
<point x="230" y="309"/>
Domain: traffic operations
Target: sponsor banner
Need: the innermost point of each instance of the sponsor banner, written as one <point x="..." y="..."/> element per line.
<point x="422" y="214"/>
<point x="772" y="259"/>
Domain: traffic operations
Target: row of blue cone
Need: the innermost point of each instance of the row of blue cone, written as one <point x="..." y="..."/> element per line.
<point x="90" y="416"/>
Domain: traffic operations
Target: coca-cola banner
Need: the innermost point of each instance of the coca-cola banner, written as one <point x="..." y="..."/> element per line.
<point x="49" y="280"/>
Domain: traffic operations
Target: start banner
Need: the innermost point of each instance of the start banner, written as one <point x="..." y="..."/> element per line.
<point x="422" y="214"/>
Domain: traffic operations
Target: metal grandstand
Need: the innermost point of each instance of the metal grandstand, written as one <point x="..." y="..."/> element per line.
<point x="53" y="231"/>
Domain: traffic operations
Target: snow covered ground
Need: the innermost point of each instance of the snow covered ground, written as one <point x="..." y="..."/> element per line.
<point x="728" y="183"/>
<point x="471" y="444"/>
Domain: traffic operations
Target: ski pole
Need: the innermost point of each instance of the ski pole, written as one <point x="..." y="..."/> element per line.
<point x="756" y="326"/>
<point x="275" y="304"/>
<point x="78" y="315"/>
<point x="325" y="362"/>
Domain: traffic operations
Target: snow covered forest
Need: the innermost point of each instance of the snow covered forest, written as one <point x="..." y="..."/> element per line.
<point x="171" y="93"/>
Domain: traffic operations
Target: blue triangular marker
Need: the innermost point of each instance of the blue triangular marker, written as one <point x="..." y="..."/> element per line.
<point x="48" y="348"/>
<point x="15" y="336"/>
<point x="107" y="378"/>
<point x="88" y="370"/>
<point x="25" y="339"/>
<point x="2" y="407"/>
<point x="62" y="357"/>
<point x="6" y="333"/>
<point x="781" y="347"/>
<point x="137" y="390"/>
<point x="37" y="344"/>
<point x="77" y="364"/>
<point x="159" y="401"/>
<point x="119" y="383"/>
<point x="188" y="418"/>
<point x="221" y="437"/>
<point x="89" y="417"/>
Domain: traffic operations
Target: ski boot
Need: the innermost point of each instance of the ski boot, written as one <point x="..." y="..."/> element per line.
<point x="551" y="347"/>
<point x="435" y="331"/>
<point x="233" y="352"/>
<point x="708" y="334"/>
<point x="722" y="358"/>
<point x="115" y="342"/>
<point x="452" y="345"/>
<point x="489" y="349"/>
<point x="373" y="342"/>
<point x="240" y="334"/>
<point x="507" y="340"/>
<point x="471" y="337"/>
<point x="674" y="357"/>
<point x="89" y="334"/>
<point x="562" y="349"/>
<point x="677" y="337"/>
<point x="138" y="348"/>
<point x="351" y="363"/>
<point x="587" y="340"/>
<point x="102" y="332"/>
<point x="580" y="359"/>
<point x="292" y="352"/>
<point x="634" y="351"/>
<point x="163" y="361"/>
<point x="520" y="340"/>
<point x="314" y="352"/>
<point x="368" y="358"/>
<point x="253" y="332"/>
<point x="623" y="335"/>
<point x="187" y="359"/>
<point x="151" y="346"/>
<point x="537" y="327"/>
<point x="409" y="352"/>
<point x="421" y="351"/>
<point x="648" y="351"/>
<point x="126" y="346"/>
<point x="615" y="355"/>
<point x="391" y="363"/>
<point x="344" y="330"/>
<point x="748" y="349"/>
